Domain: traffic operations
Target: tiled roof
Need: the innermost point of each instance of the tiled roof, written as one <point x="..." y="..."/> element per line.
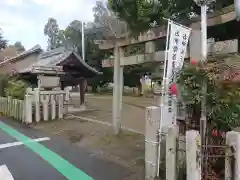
<point x="55" y="57"/>
<point x="36" y="48"/>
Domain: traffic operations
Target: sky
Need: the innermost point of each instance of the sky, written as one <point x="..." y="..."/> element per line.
<point x="24" y="20"/>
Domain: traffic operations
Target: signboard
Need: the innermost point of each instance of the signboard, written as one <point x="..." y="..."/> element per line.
<point x="176" y="49"/>
<point x="49" y="81"/>
<point x="108" y="62"/>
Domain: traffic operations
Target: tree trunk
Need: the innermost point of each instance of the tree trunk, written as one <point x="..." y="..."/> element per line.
<point x="82" y="91"/>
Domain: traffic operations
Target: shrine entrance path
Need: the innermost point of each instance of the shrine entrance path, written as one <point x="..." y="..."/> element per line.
<point x="132" y="112"/>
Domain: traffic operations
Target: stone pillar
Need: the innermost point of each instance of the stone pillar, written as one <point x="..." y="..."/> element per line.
<point x="193" y="155"/>
<point x="233" y="140"/>
<point x="195" y="45"/>
<point x="37" y="104"/>
<point x="53" y="107"/>
<point x="152" y="119"/>
<point x="117" y="90"/>
<point x="28" y="109"/>
<point x="150" y="48"/>
<point x="66" y="99"/>
<point x="121" y="54"/>
<point x="60" y="106"/>
<point x="45" y="107"/>
<point x="171" y="151"/>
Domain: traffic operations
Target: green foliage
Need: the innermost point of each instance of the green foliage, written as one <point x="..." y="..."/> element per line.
<point x="140" y="14"/>
<point x="16" y="88"/>
<point x="18" y="45"/>
<point x="3" y="84"/>
<point x="222" y="95"/>
<point x="12" y="87"/>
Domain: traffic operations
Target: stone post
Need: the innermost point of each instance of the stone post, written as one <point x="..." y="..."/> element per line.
<point x="28" y="109"/>
<point x="171" y="151"/>
<point x="45" y="108"/>
<point x="193" y="155"/>
<point x="60" y="106"/>
<point x="233" y="140"/>
<point x="152" y="119"/>
<point x="37" y="103"/>
<point x="53" y="106"/>
<point x="66" y="99"/>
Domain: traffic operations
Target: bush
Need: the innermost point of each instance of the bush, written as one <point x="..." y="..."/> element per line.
<point x="222" y="94"/>
<point x="16" y="88"/>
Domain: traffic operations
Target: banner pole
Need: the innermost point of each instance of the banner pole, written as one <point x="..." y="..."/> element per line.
<point x="163" y="89"/>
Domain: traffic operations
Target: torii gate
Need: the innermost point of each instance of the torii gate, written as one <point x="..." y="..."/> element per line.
<point x="151" y="55"/>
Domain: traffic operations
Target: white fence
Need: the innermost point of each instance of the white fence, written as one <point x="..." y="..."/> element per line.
<point x="182" y="153"/>
<point x="37" y="105"/>
<point x="13" y="108"/>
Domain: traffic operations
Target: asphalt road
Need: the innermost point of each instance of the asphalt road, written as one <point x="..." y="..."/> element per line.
<point x="54" y="159"/>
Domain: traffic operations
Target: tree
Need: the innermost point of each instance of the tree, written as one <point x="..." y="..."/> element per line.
<point x="106" y="20"/>
<point x="51" y="30"/>
<point x="18" y="45"/>
<point x="3" y="42"/>
<point x="71" y="37"/>
<point x="111" y="27"/>
<point x="141" y="14"/>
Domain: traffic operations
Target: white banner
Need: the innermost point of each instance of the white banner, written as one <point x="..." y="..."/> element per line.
<point x="176" y="49"/>
<point x="177" y="45"/>
<point x="184" y="37"/>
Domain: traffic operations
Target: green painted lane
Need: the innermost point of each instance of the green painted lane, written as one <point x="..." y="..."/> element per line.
<point x="60" y="164"/>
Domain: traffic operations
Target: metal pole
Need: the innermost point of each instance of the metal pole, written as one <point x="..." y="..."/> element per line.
<point x="84" y="83"/>
<point x="203" y="120"/>
<point x="83" y="42"/>
<point x="204" y="31"/>
<point x="161" y="98"/>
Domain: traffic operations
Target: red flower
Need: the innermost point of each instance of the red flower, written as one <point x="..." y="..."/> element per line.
<point x="173" y="89"/>
<point x="214" y="132"/>
<point x="218" y="133"/>
<point x="193" y="62"/>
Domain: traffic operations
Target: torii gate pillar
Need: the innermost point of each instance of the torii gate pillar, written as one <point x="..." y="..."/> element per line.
<point x="117" y="90"/>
